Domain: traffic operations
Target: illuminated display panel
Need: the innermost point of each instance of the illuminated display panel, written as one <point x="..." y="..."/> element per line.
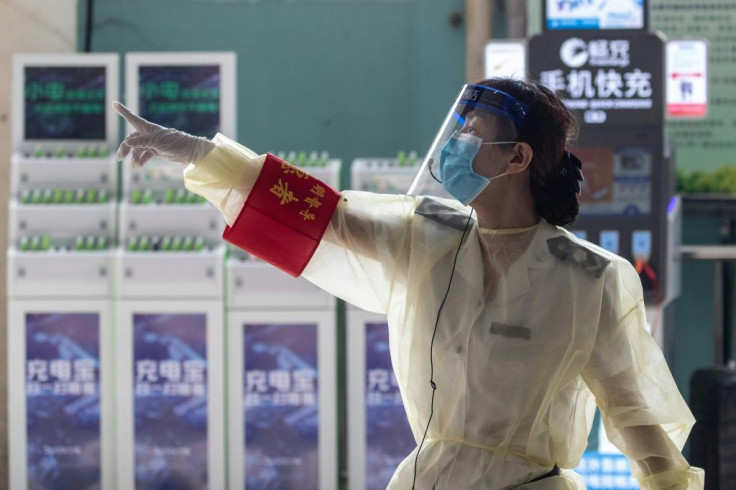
<point x="64" y="102"/>
<point x="190" y="91"/>
<point x="182" y="97"/>
<point x="595" y="14"/>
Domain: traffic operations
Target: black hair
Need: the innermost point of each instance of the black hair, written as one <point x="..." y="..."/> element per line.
<point x="549" y="126"/>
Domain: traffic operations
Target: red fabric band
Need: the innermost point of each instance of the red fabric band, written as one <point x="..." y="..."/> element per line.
<point x="284" y="217"/>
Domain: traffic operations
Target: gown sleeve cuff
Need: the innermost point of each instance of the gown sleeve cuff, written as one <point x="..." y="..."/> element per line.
<point x="689" y="479"/>
<point x="284" y="217"/>
<point x="224" y="176"/>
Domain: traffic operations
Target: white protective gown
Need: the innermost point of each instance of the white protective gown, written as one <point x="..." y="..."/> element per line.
<point x="536" y="328"/>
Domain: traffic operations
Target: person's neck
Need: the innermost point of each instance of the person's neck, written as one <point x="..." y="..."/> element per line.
<point x="507" y="209"/>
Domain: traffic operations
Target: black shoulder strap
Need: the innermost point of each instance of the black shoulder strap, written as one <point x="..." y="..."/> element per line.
<point x="434" y="209"/>
<point x="565" y="249"/>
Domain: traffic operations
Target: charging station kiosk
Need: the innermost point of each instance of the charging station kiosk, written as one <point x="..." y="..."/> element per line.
<point x="282" y="384"/>
<point x="169" y="288"/>
<point x="379" y="436"/>
<point x="60" y="271"/>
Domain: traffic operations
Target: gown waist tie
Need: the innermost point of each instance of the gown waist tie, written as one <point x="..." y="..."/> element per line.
<point x="494" y="449"/>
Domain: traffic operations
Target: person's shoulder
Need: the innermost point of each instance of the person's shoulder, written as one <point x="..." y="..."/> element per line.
<point x="446" y="212"/>
<point x="370" y="199"/>
<point x="582" y="254"/>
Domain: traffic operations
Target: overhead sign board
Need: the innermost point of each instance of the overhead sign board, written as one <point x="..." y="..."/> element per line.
<point x="595" y="14"/>
<point x="610" y="79"/>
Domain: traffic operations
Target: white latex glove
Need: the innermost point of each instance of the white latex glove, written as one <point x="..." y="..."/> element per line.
<point x="150" y="140"/>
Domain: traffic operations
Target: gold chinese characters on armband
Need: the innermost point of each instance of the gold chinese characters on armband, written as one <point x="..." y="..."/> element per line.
<point x="284" y="217"/>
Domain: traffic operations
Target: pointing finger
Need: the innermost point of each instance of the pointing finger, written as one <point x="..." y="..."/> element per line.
<point x="136" y="121"/>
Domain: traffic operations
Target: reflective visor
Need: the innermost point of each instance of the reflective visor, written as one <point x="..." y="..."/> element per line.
<point x="472" y="98"/>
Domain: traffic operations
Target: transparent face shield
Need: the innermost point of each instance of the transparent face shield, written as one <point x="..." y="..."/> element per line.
<point x="473" y="100"/>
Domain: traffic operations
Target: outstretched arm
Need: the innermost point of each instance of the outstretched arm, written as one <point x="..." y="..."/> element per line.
<point x="284" y="216"/>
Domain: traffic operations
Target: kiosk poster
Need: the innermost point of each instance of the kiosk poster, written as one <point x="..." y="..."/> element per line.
<point x="280" y="401"/>
<point x="63" y="400"/>
<point x="687" y="79"/>
<point x="618" y="181"/>
<point x="170" y="400"/>
<point x="388" y="436"/>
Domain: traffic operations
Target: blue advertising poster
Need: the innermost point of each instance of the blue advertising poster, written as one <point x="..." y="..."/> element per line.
<point x="388" y="436"/>
<point x="170" y="392"/>
<point x="280" y="395"/>
<point x="63" y="400"/>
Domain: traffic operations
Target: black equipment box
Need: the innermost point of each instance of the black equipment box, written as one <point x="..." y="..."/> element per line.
<point x="713" y="439"/>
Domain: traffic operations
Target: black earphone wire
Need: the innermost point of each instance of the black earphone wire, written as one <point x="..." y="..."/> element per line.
<point x="431" y="172"/>
<point x="431" y="345"/>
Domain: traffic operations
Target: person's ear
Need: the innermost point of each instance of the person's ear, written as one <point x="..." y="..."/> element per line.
<point x="520" y="158"/>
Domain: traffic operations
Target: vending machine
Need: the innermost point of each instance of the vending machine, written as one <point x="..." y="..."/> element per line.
<point x="282" y="380"/>
<point x="379" y="436"/>
<point x="169" y="285"/>
<point x="62" y="207"/>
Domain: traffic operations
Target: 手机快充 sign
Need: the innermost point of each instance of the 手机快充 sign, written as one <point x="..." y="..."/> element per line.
<point x="607" y="78"/>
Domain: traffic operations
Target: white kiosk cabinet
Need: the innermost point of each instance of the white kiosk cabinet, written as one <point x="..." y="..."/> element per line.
<point x="169" y="284"/>
<point x="170" y="351"/>
<point x="281" y="373"/>
<point x="60" y="272"/>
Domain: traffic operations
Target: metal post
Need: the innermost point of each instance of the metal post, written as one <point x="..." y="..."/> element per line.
<point x="718" y="313"/>
<point x="516" y="19"/>
<point x="478" y="20"/>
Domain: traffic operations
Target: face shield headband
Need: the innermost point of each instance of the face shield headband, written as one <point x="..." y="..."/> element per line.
<point x="471" y="99"/>
<point x="490" y="100"/>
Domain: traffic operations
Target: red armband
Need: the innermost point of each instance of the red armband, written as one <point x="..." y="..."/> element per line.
<point x="284" y="217"/>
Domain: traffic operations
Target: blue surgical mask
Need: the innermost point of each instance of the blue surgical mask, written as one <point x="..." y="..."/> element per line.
<point x="456" y="167"/>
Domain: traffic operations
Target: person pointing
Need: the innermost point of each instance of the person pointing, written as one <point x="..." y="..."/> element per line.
<point x="505" y="330"/>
